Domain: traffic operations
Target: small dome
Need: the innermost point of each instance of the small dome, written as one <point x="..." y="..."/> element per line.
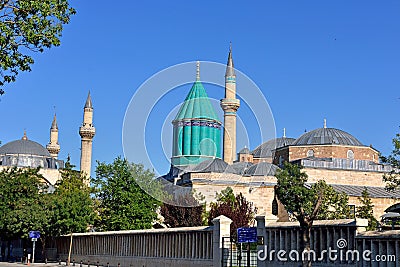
<point x="265" y="149"/>
<point x="240" y="167"/>
<point x="244" y="150"/>
<point x="212" y="165"/>
<point x="324" y="136"/>
<point x="24" y="146"/>
<point x="261" y="169"/>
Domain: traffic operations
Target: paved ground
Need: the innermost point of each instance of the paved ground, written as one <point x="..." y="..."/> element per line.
<point x="51" y="264"/>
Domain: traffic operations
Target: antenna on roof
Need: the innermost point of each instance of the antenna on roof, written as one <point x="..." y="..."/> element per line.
<point x="284" y="132"/>
<point x="324" y="123"/>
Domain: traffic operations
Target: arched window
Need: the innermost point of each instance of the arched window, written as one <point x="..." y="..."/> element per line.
<point x="350" y="154"/>
<point x="310" y="153"/>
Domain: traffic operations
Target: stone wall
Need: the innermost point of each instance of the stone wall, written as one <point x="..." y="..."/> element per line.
<point x="260" y="190"/>
<point x="345" y="177"/>
<point x="262" y="195"/>
<point x="51" y="175"/>
<point x="291" y="153"/>
<point x="380" y="204"/>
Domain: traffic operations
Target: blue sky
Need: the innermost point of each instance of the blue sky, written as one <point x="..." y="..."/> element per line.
<point x="338" y="60"/>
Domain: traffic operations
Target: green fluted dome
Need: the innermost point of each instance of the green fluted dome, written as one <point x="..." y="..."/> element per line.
<point x="197" y="105"/>
<point x="197" y="129"/>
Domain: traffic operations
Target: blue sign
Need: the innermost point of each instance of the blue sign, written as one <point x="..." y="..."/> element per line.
<point x="247" y="234"/>
<point x="34" y="234"/>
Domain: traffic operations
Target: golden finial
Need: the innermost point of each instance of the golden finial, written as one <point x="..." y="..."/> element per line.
<point x="24" y="137"/>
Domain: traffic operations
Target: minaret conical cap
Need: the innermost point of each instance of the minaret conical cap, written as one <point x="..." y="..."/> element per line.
<point x="88" y="103"/>
<point x="54" y="125"/>
<point x="230" y="70"/>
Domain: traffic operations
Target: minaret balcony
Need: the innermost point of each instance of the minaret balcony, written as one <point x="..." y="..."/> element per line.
<point x="53" y="148"/>
<point x="87" y="132"/>
<point x="230" y="105"/>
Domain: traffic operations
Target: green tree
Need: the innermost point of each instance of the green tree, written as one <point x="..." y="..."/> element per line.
<point x="21" y="207"/>
<point x="237" y="208"/>
<point x="187" y="212"/>
<point x="71" y="203"/>
<point x="308" y="203"/>
<point x="392" y="178"/>
<point x="26" y="27"/>
<point x="366" y="210"/>
<point x="123" y="204"/>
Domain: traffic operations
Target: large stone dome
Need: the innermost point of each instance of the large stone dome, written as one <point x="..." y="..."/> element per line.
<point x="325" y="136"/>
<point x="26" y="147"/>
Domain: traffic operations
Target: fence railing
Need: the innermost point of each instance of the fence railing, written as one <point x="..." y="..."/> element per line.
<point x="332" y="243"/>
<point x="186" y="246"/>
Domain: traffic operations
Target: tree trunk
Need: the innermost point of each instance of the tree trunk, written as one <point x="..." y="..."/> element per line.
<point x="44" y="256"/>
<point x="306" y="247"/>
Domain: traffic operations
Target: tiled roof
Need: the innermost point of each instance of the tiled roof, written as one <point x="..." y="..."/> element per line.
<point x="374" y="192"/>
<point x="265" y="149"/>
<point x="197" y="105"/>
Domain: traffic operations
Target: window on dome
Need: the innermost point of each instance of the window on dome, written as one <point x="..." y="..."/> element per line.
<point x="350" y="154"/>
<point x="310" y="153"/>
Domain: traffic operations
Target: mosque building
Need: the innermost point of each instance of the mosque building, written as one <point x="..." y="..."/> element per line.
<point x="26" y="153"/>
<point x="325" y="153"/>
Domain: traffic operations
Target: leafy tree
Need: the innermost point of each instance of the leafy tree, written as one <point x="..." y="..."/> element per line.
<point x="334" y="206"/>
<point x="308" y="203"/>
<point x="21" y="207"/>
<point x="392" y="178"/>
<point x="366" y="210"/>
<point x="26" y="27"/>
<point x="72" y="205"/>
<point x="237" y="208"/>
<point x="188" y="211"/>
<point x="123" y="204"/>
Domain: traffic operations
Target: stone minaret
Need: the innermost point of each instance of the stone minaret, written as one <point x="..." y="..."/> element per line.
<point x="53" y="147"/>
<point x="230" y="105"/>
<point x="87" y="132"/>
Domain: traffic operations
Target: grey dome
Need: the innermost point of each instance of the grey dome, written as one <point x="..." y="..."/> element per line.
<point x="24" y="147"/>
<point x="212" y="165"/>
<point x="261" y="169"/>
<point x="244" y="150"/>
<point x="240" y="167"/>
<point x="265" y="149"/>
<point x="324" y="136"/>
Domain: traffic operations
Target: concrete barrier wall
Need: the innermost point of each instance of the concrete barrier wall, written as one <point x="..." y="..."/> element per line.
<point x="336" y="236"/>
<point x="381" y="248"/>
<point x="184" y="247"/>
<point x="157" y="247"/>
